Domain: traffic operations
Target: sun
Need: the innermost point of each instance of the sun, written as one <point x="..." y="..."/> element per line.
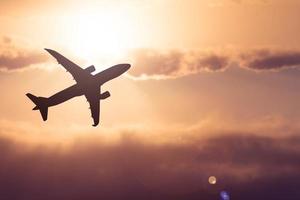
<point x="99" y="35"/>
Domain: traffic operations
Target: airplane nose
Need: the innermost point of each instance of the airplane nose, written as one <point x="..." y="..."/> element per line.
<point x="127" y="66"/>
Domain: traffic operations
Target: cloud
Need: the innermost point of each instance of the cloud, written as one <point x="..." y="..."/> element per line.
<point x="155" y="64"/>
<point x="212" y="63"/>
<point x="172" y="64"/>
<point x="152" y="63"/>
<point x="13" y="57"/>
<point x="271" y="60"/>
<point x="246" y="164"/>
<point x="20" y="60"/>
<point x="246" y="150"/>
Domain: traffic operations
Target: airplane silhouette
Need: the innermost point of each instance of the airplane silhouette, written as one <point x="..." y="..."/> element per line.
<point x="86" y="84"/>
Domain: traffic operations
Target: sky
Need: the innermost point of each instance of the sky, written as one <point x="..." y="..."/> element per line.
<point x="213" y="90"/>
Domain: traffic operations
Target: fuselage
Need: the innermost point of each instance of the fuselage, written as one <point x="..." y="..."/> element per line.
<point x="89" y="85"/>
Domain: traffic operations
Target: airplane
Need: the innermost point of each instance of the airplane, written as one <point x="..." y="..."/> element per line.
<point x="87" y="84"/>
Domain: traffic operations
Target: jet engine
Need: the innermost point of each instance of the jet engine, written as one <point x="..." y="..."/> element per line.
<point x="105" y="95"/>
<point x="90" y="69"/>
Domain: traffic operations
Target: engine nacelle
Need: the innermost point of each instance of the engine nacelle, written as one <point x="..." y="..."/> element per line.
<point x="90" y="69"/>
<point x="105" y="95"/>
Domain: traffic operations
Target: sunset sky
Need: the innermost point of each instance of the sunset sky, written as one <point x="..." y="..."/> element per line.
<point x="213" y="90"/>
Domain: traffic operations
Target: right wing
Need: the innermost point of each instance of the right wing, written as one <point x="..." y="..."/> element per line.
<point x="94" y="102"/>
<point x="77" y="72"/>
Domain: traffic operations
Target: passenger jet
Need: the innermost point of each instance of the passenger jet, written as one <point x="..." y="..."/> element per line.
<point x="87" y="84"/>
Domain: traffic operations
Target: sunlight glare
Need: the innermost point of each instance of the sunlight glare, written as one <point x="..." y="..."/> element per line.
<point x="96" y="35"/>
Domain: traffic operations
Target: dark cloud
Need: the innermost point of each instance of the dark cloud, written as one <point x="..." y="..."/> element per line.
<point x="268" y="60"/>
<point x="175" y="63"/>
<point x="151" y="63"/>
<point x="247" y="166"/>
<point x="212" y="63"/>
<point x="247" y="150"/>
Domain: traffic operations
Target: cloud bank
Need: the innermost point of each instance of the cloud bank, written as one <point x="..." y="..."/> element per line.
<point x="246" y="164"/>
<point x="151" y="63"/>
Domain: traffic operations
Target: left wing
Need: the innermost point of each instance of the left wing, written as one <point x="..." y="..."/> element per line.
<point x="77" y="72"/>
<point x="94" y="102"/>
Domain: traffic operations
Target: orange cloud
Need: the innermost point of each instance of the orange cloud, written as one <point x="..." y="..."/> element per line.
<point x="151" y="63"/>
<point x="13" y="57"/>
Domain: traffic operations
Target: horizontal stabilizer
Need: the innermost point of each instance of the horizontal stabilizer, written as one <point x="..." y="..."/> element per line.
<point x="40" y="103"/>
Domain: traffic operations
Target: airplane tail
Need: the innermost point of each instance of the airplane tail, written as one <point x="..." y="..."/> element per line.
<point x="40" y="103"/>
